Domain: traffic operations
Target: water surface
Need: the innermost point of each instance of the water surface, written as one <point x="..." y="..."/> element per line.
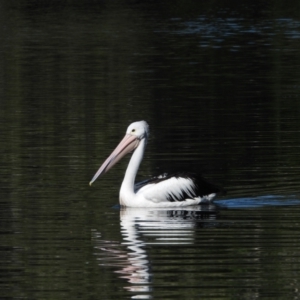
<point x="219" y="87"/>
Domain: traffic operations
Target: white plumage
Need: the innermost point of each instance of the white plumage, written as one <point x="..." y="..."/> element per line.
<point x="162" y="191"/>
<point x="174" y="187"/>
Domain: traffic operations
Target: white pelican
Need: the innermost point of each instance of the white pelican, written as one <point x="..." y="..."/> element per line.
<point x="177" y="190"/>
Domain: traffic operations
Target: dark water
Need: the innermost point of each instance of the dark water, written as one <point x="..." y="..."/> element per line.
<point x="219" y="85"/>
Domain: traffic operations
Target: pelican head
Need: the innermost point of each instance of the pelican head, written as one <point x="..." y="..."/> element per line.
<point x="139" y="129"/>
<point x="134" y="134"/>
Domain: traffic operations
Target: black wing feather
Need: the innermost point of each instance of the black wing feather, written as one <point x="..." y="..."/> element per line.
<point x="202" y="187"/>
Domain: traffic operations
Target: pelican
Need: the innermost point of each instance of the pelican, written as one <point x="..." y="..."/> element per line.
<point x="176" y="190"/>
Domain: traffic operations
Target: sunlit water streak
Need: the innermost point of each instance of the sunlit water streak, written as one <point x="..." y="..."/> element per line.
<point x="259" y="201"/>
<point x="216" y="32"/>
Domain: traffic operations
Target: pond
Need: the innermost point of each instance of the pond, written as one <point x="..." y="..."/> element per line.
<point x="219" y="86"/>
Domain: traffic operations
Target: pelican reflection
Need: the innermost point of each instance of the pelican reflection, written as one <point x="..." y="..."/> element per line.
<point x="142" y="229"/>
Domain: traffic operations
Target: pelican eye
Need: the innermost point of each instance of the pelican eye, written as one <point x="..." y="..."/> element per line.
<point x="133" y="130"/>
